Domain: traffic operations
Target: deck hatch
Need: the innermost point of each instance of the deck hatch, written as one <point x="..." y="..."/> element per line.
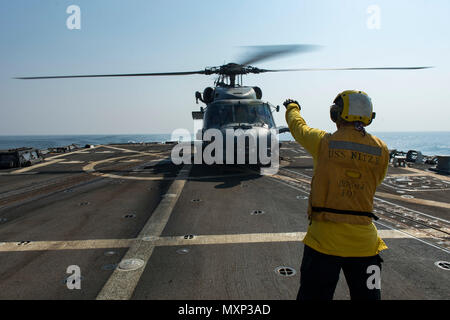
<point x="183" y="251"/>
<point x="443" y="265"/>
<point x="130" y="264"/>
<point x="285" y="271"/>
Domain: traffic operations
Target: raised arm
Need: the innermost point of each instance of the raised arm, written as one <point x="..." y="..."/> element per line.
<point x="308" y="137"/>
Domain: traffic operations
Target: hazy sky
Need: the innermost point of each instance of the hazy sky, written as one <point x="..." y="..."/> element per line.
<point x="119" y="36"/>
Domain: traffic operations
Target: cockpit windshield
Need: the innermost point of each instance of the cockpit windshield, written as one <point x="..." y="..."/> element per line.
<point x="237" y="114"/>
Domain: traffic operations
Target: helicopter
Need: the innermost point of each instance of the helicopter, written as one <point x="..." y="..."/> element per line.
<point x="235" y="112"/>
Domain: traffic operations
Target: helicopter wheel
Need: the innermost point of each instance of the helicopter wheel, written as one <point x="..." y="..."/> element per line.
<point x="268" y="165"/>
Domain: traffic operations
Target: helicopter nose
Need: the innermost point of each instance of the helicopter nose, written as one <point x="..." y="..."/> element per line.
<point x="246" y="145"/>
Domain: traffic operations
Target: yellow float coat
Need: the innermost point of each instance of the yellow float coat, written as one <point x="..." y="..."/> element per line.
<point x="347" y="169"/>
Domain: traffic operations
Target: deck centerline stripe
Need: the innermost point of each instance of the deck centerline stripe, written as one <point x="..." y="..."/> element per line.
<point x="121" y="285"/>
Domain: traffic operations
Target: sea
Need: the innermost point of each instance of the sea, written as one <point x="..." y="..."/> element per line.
<point x="429" y="143"/>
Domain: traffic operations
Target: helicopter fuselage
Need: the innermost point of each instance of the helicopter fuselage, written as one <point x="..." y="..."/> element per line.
<point x="243" y="119"/>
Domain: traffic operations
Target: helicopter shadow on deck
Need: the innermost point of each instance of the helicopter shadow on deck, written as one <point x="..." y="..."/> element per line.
<point x="228" y="176"/>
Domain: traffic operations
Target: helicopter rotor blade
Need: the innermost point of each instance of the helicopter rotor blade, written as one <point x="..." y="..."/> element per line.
<point x="260" y="53"/>
<point x="117" y="75"/>
<point x="339" y="69"/>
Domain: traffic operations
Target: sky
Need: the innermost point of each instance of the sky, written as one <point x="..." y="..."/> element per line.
<point x="137" y="36"/>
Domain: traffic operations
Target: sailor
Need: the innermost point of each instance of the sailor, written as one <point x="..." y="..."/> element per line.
<point x="348" y="166"/>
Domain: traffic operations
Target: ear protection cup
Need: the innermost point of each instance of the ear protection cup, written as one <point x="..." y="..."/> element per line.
<point x="337" y="109"/>
<point x="373" y="117"/>
<point x="335" y="112"/>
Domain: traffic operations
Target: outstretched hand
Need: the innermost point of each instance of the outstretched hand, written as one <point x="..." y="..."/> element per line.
<point x="289" y="101"/>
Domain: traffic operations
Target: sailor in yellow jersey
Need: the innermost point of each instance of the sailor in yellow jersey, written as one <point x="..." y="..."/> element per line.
<point x="348" y="166"/>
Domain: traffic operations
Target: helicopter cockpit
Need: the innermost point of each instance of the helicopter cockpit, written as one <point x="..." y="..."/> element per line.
<point x="239" y="114"/>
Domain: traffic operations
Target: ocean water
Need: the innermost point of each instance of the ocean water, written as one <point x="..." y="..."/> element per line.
<point x="48" y="141"/>
<point x="429" y="143"/>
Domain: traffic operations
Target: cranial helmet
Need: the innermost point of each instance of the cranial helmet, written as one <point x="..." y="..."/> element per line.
<point x="352" y="105"/>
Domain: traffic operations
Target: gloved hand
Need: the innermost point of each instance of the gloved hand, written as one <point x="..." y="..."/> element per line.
<point x="288" y="101"/>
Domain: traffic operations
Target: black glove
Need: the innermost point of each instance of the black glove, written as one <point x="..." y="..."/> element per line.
<point x="288" y="101"/>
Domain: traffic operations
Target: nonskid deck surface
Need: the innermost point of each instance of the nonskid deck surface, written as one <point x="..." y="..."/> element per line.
<point x="202" y="232"/>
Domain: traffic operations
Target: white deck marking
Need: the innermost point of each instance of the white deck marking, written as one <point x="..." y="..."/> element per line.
<point x="158" y="241"/>
<point x="66" y="245"/>
<point x="424" y="202"/>
<point x="90" y="168"/>
<point x="412" y="210"/>
<point x="409" y="234"/>
<point x="299" y="173"/>
<point x="71" y="162"/>
<point x="39" y="165"/>
<point x="133" y="151"/>
<point x="121" y="285"/>
<point x="50" y="160"/>
<point x="277" y="178"/>
<point x="382" y="194"/>
<point x="428" y="173"/>
<point x="74" y="152"/>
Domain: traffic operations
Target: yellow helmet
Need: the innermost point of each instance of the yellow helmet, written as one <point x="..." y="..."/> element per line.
<point x="353" y="105"/>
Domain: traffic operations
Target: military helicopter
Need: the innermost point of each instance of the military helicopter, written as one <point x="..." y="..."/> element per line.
<point x="229" y="104"/>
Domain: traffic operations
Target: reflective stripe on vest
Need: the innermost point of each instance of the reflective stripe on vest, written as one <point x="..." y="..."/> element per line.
<point x="353" y="146"/>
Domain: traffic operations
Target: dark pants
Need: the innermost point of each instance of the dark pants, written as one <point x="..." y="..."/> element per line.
<point x="319" y="275"/>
